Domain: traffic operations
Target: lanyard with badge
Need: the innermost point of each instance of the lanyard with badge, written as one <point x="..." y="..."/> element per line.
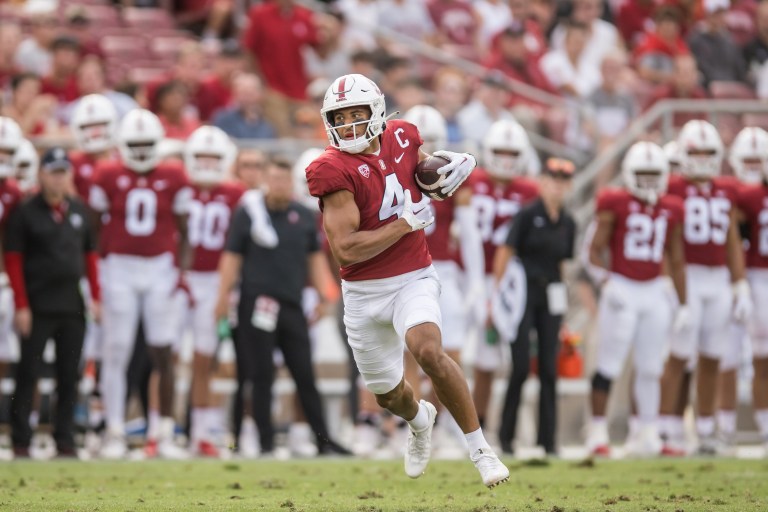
<point x="265" y="312"/>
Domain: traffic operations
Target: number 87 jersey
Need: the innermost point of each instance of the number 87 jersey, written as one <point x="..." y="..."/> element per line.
<point x="641" y="232"/>
<point x="709" y="206"/>
<point x="140" y="209"/>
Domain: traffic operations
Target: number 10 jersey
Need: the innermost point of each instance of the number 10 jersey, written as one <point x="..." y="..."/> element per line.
<point x="139" y="209"/>
<point x="640" y="232"/>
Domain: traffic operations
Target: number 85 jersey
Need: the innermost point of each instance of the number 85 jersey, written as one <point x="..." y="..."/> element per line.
<point x="139" y="209"/>
<point x="708" y="207"/>
<point x="640" y="232"/>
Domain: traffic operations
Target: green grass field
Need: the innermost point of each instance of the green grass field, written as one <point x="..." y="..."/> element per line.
<point x="368" y="486"/>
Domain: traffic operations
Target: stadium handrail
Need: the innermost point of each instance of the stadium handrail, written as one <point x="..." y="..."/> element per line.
<point x="582" y="199"/>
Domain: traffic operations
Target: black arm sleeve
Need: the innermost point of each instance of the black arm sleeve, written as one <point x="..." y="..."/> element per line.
<point x="518" y="230"/>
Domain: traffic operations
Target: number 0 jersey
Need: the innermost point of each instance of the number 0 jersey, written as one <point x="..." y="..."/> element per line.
<point x="210" y="211"/>
<point x="139" y="209"/>
<point x="640" y="232"/>
<point x="378" y="183"/>
<point x="707" y="218"/>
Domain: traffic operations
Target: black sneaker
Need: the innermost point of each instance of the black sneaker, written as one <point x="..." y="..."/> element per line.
<point x="332" y="448"/>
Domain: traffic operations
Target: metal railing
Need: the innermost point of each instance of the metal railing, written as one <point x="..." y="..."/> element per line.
<point x="582" y="200"/>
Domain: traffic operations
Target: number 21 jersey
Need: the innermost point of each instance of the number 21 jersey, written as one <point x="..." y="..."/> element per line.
<point x="640" y="232"/>
<point x="139" y="209"/>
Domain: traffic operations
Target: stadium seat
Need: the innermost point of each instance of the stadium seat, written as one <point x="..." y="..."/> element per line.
<point x="147" y="18"/>
<point x="731" y="90"/>
<point x="760" y="120"/>
<point x="168" y="46"/>
<point x="145" y="75"/>
<point x="123" y="45"/>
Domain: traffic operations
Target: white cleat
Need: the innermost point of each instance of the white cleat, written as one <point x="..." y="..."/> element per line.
<point x="114" y="447"/>
<point x="367" y="440"/>
<point x="492" y="470"/>
<point x="169" y="450"/>
<point x="645" y="444"/>
<point x="419" y="445"/>
<point x="300" y="441"/>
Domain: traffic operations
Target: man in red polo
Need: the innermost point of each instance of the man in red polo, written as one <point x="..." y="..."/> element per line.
<point x="276" y="33"/>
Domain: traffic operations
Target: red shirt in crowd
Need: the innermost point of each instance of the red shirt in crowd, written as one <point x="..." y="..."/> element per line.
<point x="633" y="18"/>
<point x="276" y="39"/>
<point x="652" y="43"/>
<point x="180" y="130"/>
<point x="455" y="20"/>
<point x="213" y="94"/>
<point x="65" y="91"/>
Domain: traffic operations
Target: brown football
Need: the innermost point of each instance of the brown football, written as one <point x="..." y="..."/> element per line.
<point x="427" y="178"/>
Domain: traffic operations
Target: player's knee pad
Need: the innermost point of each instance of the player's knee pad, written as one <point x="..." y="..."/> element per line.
<point x="601" y="383"/>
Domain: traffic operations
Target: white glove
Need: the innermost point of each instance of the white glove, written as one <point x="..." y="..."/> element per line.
<point x="262" y="231"/>
<point x="476" y="303"/>
<point x="462" y="165"/>
<point x="682" y="321"/>
<point x="417" y="220"/>
<point x="742" y="301"/>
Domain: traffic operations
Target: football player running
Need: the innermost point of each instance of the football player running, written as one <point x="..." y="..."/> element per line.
<point x="456" y="248"/>
<point x="208" y="157"/>
<point x="637" y="226"/>
<point x="143" y="204"/>
<point x="11" y="140"/>
<point x="374" y="216"/>
<point x="716" y="285"/>
<point x="499" y="190"/>
<point x="753" y="209"/>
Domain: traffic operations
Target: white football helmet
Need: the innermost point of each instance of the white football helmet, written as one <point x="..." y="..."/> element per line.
<point x="208" y="155"/>
<point x="10" y="140"/>
<point x="138" y="139"/>
<point x="701" y="150"/>
<point x="645" y="170"/>
<point x="749" y="155"/>
<point x="351" y="91"/>
<point x="432" y="127"/>
<point x="94" y="123"/>
<point x="506" y="149"/>
<point x="300" y="188"/>
<point x="26" y="163"/>
<point x="672" y="150"/>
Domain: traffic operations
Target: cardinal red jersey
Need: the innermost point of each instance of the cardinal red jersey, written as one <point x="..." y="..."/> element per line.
<point x="753" y="201"/>
<point x="496" y="204"/>
<point x="10" y="196"/>
<point x="442" y="246"/>
<point x="378" y="183"/>
<point x="140" y="208"/>
<point x="84" y="166"/>
<point x="640" y="232"/>
<point x="210" y="211"/>
<point x="707" y="218"/>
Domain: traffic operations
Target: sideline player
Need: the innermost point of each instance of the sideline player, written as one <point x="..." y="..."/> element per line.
<point x="716" y="285"/>
<point x="499" y="191"/>
<point x="753" y="208"/>
<point x="143" y="236"/>
<point x="208" y="156"/>
<point x="457" y="251"/>
<point x="11" y="140"/>
<point x="638" y="226"/>
<point x="365" y="180"/>
<point x="747" y="157"/>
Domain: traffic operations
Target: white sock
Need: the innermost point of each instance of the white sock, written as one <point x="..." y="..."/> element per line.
<point x="476" y="441"/>
<point x="167" y="428"/>
<point x="198" y="428"/>
<point x="211" y="421"/>
<point x="705" y="426"/>
<point x="647" y="391"/>
<point x="599" y="422"/>
<point x="421" y="420"/>
<point x="153" y="424"/>
<point x="113" y="389"/>
<point x="726" y="422"/>
<point x="761" y="418"/>
<point x="634" y="426"/>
